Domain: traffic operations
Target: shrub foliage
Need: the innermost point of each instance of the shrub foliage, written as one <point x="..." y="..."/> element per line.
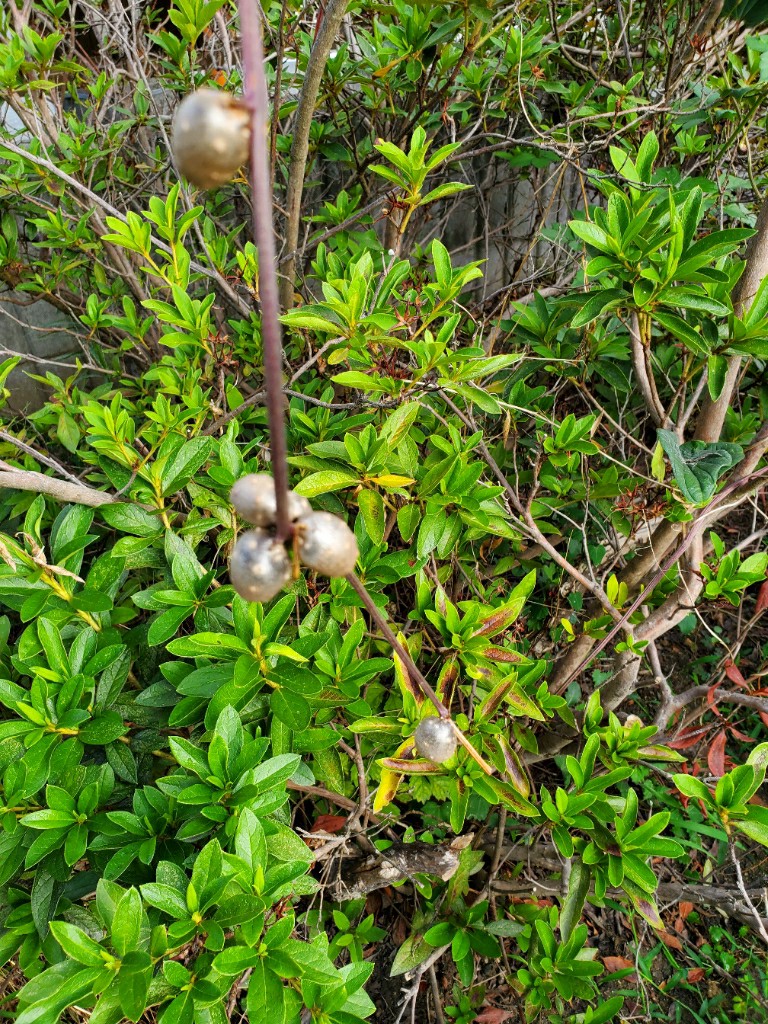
<point x="547" y="441"/>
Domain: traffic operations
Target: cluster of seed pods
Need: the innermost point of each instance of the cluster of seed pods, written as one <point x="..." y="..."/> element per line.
<point x="211" y="141"/>
<point x="260" y="565"/>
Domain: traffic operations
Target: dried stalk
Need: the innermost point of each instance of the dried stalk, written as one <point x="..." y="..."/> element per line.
<point x="305" y="112"/>
<point x="257" y="100"/>
<point x="397" y="647"/>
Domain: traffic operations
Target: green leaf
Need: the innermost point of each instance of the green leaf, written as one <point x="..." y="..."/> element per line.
<point x="596" y="303"/>
<point x="266" y="989"/>
<point x="313" y="318"/>
<point x="594" y="235"/>
<point x="103" y="729"/>
<point x="646" y="156"/>
<point x="185" y="463"/>
<point x="683" y="331"/>
<point x="698" y="465"/>
<point x="578" y="887"/>
<point x="717" y="369"/>
<point x="46" y="996"/>
<point x="131" y="519"/>
<point x="325" y="481"/>
<point x="450" y="188"/>
<point x="754" y="827"/>
<point x="360" y="381"/>
<point x="414" y="951"/>
<point x="167" y="625"/>
<point x="126" y="924"/>
<point x="77" y="945"/>
<point x="291" y="708"/>
<point x="371" y="506"/>
<point x="692" y="787"/>
<point x="236" y="959"/>
<point x="685" y="298"/>
<point x="167" y="899"/>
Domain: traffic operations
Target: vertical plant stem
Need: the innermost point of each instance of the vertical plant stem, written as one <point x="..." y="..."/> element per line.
<point x="263" y="232"/>
<point x="258" y="102"/>
<point x="305" y="113"/>
<point x="397" y="647"/>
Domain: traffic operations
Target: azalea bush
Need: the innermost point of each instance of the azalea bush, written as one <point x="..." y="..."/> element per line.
<point x="549" y="444"/>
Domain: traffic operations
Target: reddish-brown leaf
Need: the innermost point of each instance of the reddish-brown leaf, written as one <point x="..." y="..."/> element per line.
<point x="741" y="735"/>
<point x="330" y="823"/>
<point x="617" y="963"/>
<point x="733" y="673"/>
<point x="502" y="654"/>
<point x="670" y="940"/>
<point x="712" y="701"/>
<point x="684" y="908"/>
<point x="762" y="598"/>
<point x="695" y="974"/>
<point x="688" y="738"/>
<point x="493" y="1015"/>
<point x="716" y="755"/>
<point x="763" y="717"/>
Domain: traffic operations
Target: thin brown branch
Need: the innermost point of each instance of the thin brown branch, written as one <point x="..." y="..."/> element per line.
<point x="305" y="112"/>
<point x="263" y="231"/>
<point x="396" y="646"/>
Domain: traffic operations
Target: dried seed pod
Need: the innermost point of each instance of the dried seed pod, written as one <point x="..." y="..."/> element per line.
<point x="326" y="544"/>
<point x="435" y="739"/>
<point x="253" y="497"/>
<point x="211" y="137"/>
<point x="259" y="567"/>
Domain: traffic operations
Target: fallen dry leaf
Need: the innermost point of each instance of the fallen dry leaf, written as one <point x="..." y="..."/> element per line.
<point x="330" y="823"/>
<point x="617" y="963"/>
<point x="670" y="940"/>
<point x="493" y="1015"/>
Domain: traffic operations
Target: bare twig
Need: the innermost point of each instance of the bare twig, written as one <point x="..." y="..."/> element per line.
<point x="39" y="456"/>
<point x="257" y="99"/>
<point x="332" y="16"/>
<point x="397" y="647"/>
<point x="745" y="895"/>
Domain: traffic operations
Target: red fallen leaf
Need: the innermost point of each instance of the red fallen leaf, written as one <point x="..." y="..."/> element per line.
<point x="733" y="673"/>
<point x="687" y="738"/>
<point x="330" y="823"/>
<point x="762" y="598"/>
<point x="741" y="736"/>
<point x="684" y="908"/>
<point x="493" y="1015"/>
<point x="716" y="755"/>
<point x="695" y="974"/>
<point x="617" y="963"/>
<point x="670" y="940"/>
<point x="711" y="700"/>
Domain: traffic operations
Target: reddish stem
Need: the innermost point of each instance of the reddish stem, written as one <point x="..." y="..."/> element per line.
<point x="257" y="101"/>
<point x="397" y="647"/>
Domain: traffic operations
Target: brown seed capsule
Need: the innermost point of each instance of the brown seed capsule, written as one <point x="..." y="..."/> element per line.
<point x="259" y="567"/>
<point x="253" y="497"/>
<point x="435" y="739"/>
<point x="211" y="137"/>
<point x="326" y="544"/>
